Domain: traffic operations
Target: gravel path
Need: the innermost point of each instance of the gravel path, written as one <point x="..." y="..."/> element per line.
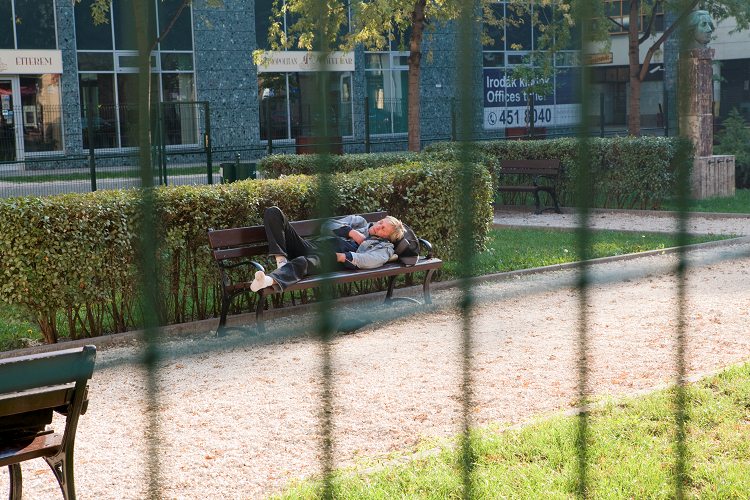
<point x="240" y="421"/>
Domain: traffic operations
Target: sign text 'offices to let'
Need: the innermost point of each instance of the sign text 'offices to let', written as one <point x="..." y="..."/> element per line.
<point x="302" y="61"/>
<point x="506" y="100"/>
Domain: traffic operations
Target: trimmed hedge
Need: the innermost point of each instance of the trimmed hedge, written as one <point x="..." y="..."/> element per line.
<point x="274" y="166"/>
<point x="73" y="259"/>
<point x="627" y="172"/>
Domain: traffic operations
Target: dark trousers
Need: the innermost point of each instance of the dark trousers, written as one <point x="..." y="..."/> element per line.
<point x="303" y="257"/>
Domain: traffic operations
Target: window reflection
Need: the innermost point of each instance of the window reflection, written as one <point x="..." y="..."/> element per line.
<point x="40" y="106"/>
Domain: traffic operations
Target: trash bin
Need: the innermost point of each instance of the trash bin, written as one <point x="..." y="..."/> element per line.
<point x="233" y="171"/>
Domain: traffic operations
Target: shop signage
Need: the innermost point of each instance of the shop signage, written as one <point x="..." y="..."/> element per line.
<point x="301" y="61"/>
<point x="506" y="100"/>
<point x="30" y="62"/>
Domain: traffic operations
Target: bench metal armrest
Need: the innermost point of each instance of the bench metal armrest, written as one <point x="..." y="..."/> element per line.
<point x="231" y="265"/>
<point x="426" y="244"/>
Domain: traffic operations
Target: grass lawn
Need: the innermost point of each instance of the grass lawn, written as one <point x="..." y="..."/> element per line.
<point x="631" y="445"/>
<point x="739" y="204"/>
<point x="508" y="250"/>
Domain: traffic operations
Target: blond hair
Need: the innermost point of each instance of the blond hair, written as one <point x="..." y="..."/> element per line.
<point x="398" y="228"/>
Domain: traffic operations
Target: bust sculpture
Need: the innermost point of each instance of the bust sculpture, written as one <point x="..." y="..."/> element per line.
<point x="702" y="27"/>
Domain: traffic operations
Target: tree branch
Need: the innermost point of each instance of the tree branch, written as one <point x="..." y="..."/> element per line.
<point x="658" y="43"/>
<point x="170" y="25"/>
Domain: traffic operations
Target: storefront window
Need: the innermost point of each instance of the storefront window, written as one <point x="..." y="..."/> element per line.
<point x="290" y="104"/>
<point x="387" y="77"/>
<point x="42" y="123"/>
<point x="110" y="76"/>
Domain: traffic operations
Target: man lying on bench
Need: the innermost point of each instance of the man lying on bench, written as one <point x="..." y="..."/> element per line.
<point x="349" y="241"/>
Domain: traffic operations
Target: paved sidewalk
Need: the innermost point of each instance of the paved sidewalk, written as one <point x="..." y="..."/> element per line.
<point x="627" y="220"/>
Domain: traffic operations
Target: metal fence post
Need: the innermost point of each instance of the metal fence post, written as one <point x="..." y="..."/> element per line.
<point x="207" y="143"/>
<point x="601" y="115"/>
<point x="531" y="116"/>
<point x="367" y="124"/>
<point x="665" y="114"/>
<point x="90" y="135"/>
<point x="453" y="119"/>
<point x="269" y="149"/>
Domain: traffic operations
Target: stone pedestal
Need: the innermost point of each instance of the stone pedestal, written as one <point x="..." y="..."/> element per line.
<point x="712" y="175"/>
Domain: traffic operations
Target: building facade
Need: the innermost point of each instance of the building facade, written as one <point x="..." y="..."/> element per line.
<point x="66" y="82"/>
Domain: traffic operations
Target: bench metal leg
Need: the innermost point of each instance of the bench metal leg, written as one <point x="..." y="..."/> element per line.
<point x="16" y="482"/>
<point x="426" y="286"/>
<point x="537" y="203"/>
<point x="225" y="302"/>
<point x="556" y="202"/>
<point x="261" y="327"/>
<point x="62" y="466"/>
<point x="389" y="293"/>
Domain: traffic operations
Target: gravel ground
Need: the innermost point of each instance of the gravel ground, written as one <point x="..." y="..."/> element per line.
<point x="240" y="419"/>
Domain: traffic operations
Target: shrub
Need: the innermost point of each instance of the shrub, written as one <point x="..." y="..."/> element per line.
<point x="626" y="172"/>
<point x="76" y="256"/>
<point x="734" y="139"/>
<point x="275" y="166"/>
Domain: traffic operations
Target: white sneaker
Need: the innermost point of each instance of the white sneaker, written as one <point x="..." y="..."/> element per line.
<point x="261" y="281"/>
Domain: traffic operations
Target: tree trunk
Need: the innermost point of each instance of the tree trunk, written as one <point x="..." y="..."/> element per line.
<point x="415" y="60"/>
<point x="634" y="107"/>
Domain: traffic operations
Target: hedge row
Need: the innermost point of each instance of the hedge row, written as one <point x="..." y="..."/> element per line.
<point x="274" y="166"/>
<point x="626" y="172"/>
<point x="72" y="260"/>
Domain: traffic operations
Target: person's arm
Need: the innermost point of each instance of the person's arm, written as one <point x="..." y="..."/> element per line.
<point x="372" y="258"/>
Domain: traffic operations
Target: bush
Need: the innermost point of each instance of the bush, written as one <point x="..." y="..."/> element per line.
<point x="734" y="139"/>
<point x="626" y="172"/>
<point x="274" y="166"/>
<point x="76" y="256"/>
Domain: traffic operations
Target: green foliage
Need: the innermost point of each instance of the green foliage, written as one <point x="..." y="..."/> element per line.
<point x="734" y="139"/>
<point x="78" y="254"/>
<point x="275" y="166"/>
<point x="627" y="172"/>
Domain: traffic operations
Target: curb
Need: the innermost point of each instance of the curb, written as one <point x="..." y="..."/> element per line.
<point x="207" y="326"/>
<point x="630" y="211"/>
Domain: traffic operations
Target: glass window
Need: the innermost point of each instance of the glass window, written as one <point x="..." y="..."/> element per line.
<point x="7" y="40"/>
<point x="263" y="11"/>
<point x="88" y="35"/>
<point x="126" y="27"/>
<point x="99" y="90"/>
<point x="179" y="113"/>
<point x="95" y="61"/>
<point x="42" y="123"/>
<point x="273" y="105"/>
<point x="179" y="36"/>
<point x="35" y="24"/>
<point x="177" y="62"/>
<point x="387" y="97"/>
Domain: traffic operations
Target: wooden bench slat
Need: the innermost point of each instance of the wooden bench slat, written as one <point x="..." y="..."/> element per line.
<point x="34" y="399"/>
<point x="361" y="274"/>
<point x="530" y="171"/>
<point x="45" y="445"/>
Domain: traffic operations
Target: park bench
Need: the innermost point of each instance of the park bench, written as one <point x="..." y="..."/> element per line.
<point x="31" y="388"/>
<point x="528" y="176"/>
<point x="232" y="248"/>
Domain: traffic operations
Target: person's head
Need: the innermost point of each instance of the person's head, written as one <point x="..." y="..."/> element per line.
<point x="389" y="228"/>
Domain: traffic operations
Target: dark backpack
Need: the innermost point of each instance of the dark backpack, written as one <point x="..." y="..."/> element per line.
<point x="407" y="248"/>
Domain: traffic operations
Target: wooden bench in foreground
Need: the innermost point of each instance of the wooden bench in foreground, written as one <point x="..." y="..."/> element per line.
<point x="236" y="247"/>
<point x="530" y="173"/>
<point x="31" y="388"/>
